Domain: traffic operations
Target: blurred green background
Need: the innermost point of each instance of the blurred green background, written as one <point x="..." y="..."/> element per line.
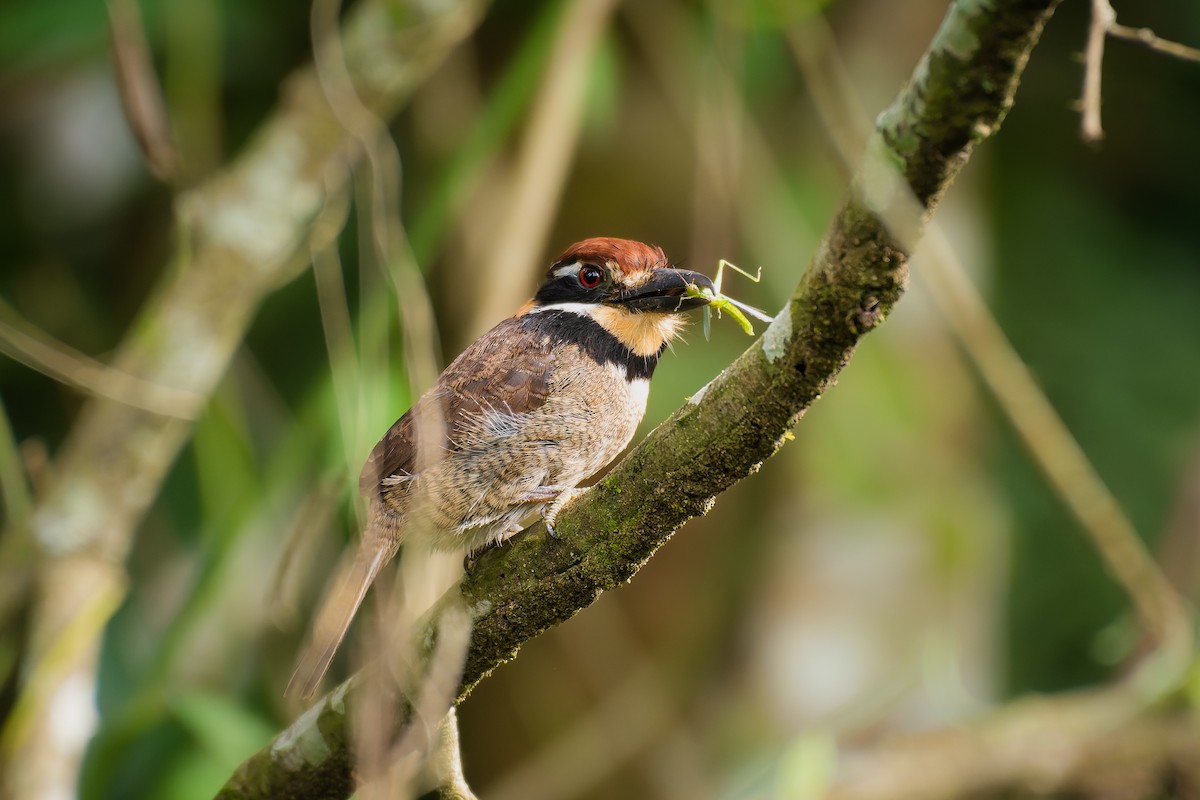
<point x="901" y="565"/>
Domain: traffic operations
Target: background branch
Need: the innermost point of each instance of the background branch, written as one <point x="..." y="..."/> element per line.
<point x="958" y="96"/>
<point x="240" y="237"/>
<point x="1081" y="741"/>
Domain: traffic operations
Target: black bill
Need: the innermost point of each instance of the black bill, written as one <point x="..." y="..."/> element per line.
<point x="666" y="291"/>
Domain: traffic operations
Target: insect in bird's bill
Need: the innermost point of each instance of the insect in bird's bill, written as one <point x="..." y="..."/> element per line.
<point x="530" y="409"/>
<point x="721" y="302"/>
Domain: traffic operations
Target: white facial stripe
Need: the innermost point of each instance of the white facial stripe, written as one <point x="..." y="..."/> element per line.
<point x="569" y="269"/>
<point x="582" y="309"/>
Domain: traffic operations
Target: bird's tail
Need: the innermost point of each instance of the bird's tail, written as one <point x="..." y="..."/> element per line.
<point x="337" y="610"/>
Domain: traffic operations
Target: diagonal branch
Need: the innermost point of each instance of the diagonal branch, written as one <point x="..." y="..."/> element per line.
<point x="957" y="97"/>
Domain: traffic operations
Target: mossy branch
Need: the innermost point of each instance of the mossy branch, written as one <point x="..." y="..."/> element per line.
<point x="958" y="95"/>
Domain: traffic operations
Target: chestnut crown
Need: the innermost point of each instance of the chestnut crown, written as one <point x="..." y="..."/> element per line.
<point x="621" y="272"/>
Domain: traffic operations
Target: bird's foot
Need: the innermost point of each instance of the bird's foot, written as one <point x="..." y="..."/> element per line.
<point x="550" y="512"/>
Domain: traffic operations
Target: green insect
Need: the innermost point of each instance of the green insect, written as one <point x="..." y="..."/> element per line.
<point x="723" y="303"/>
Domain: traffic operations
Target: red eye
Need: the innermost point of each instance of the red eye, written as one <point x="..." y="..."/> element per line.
<point x="590" y="277"/>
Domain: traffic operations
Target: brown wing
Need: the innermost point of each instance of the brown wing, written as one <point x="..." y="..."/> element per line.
<point x="508" y="368"/>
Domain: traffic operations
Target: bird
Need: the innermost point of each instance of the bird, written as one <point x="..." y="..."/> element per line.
<point x="516" y="422"/>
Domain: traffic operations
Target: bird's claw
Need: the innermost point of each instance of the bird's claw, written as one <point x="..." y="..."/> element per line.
<point x="550" y="512"/>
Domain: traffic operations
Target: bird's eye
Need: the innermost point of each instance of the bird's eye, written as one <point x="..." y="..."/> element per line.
<point x="590" y="277"/>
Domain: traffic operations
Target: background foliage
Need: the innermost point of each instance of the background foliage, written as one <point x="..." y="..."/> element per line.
<point x="901" y="565"/>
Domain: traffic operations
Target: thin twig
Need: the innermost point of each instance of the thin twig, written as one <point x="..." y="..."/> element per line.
<point x="37" y="350"/>
<point x="141" y="94"/>
<point x="1093" y="58"/>
<point x="335" y="322"/>
<point x="1104" y="24"/>
<point x="1153" y="41"/>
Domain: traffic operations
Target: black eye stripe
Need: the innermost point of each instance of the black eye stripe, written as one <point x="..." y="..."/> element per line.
<point x="572" y="283"/>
